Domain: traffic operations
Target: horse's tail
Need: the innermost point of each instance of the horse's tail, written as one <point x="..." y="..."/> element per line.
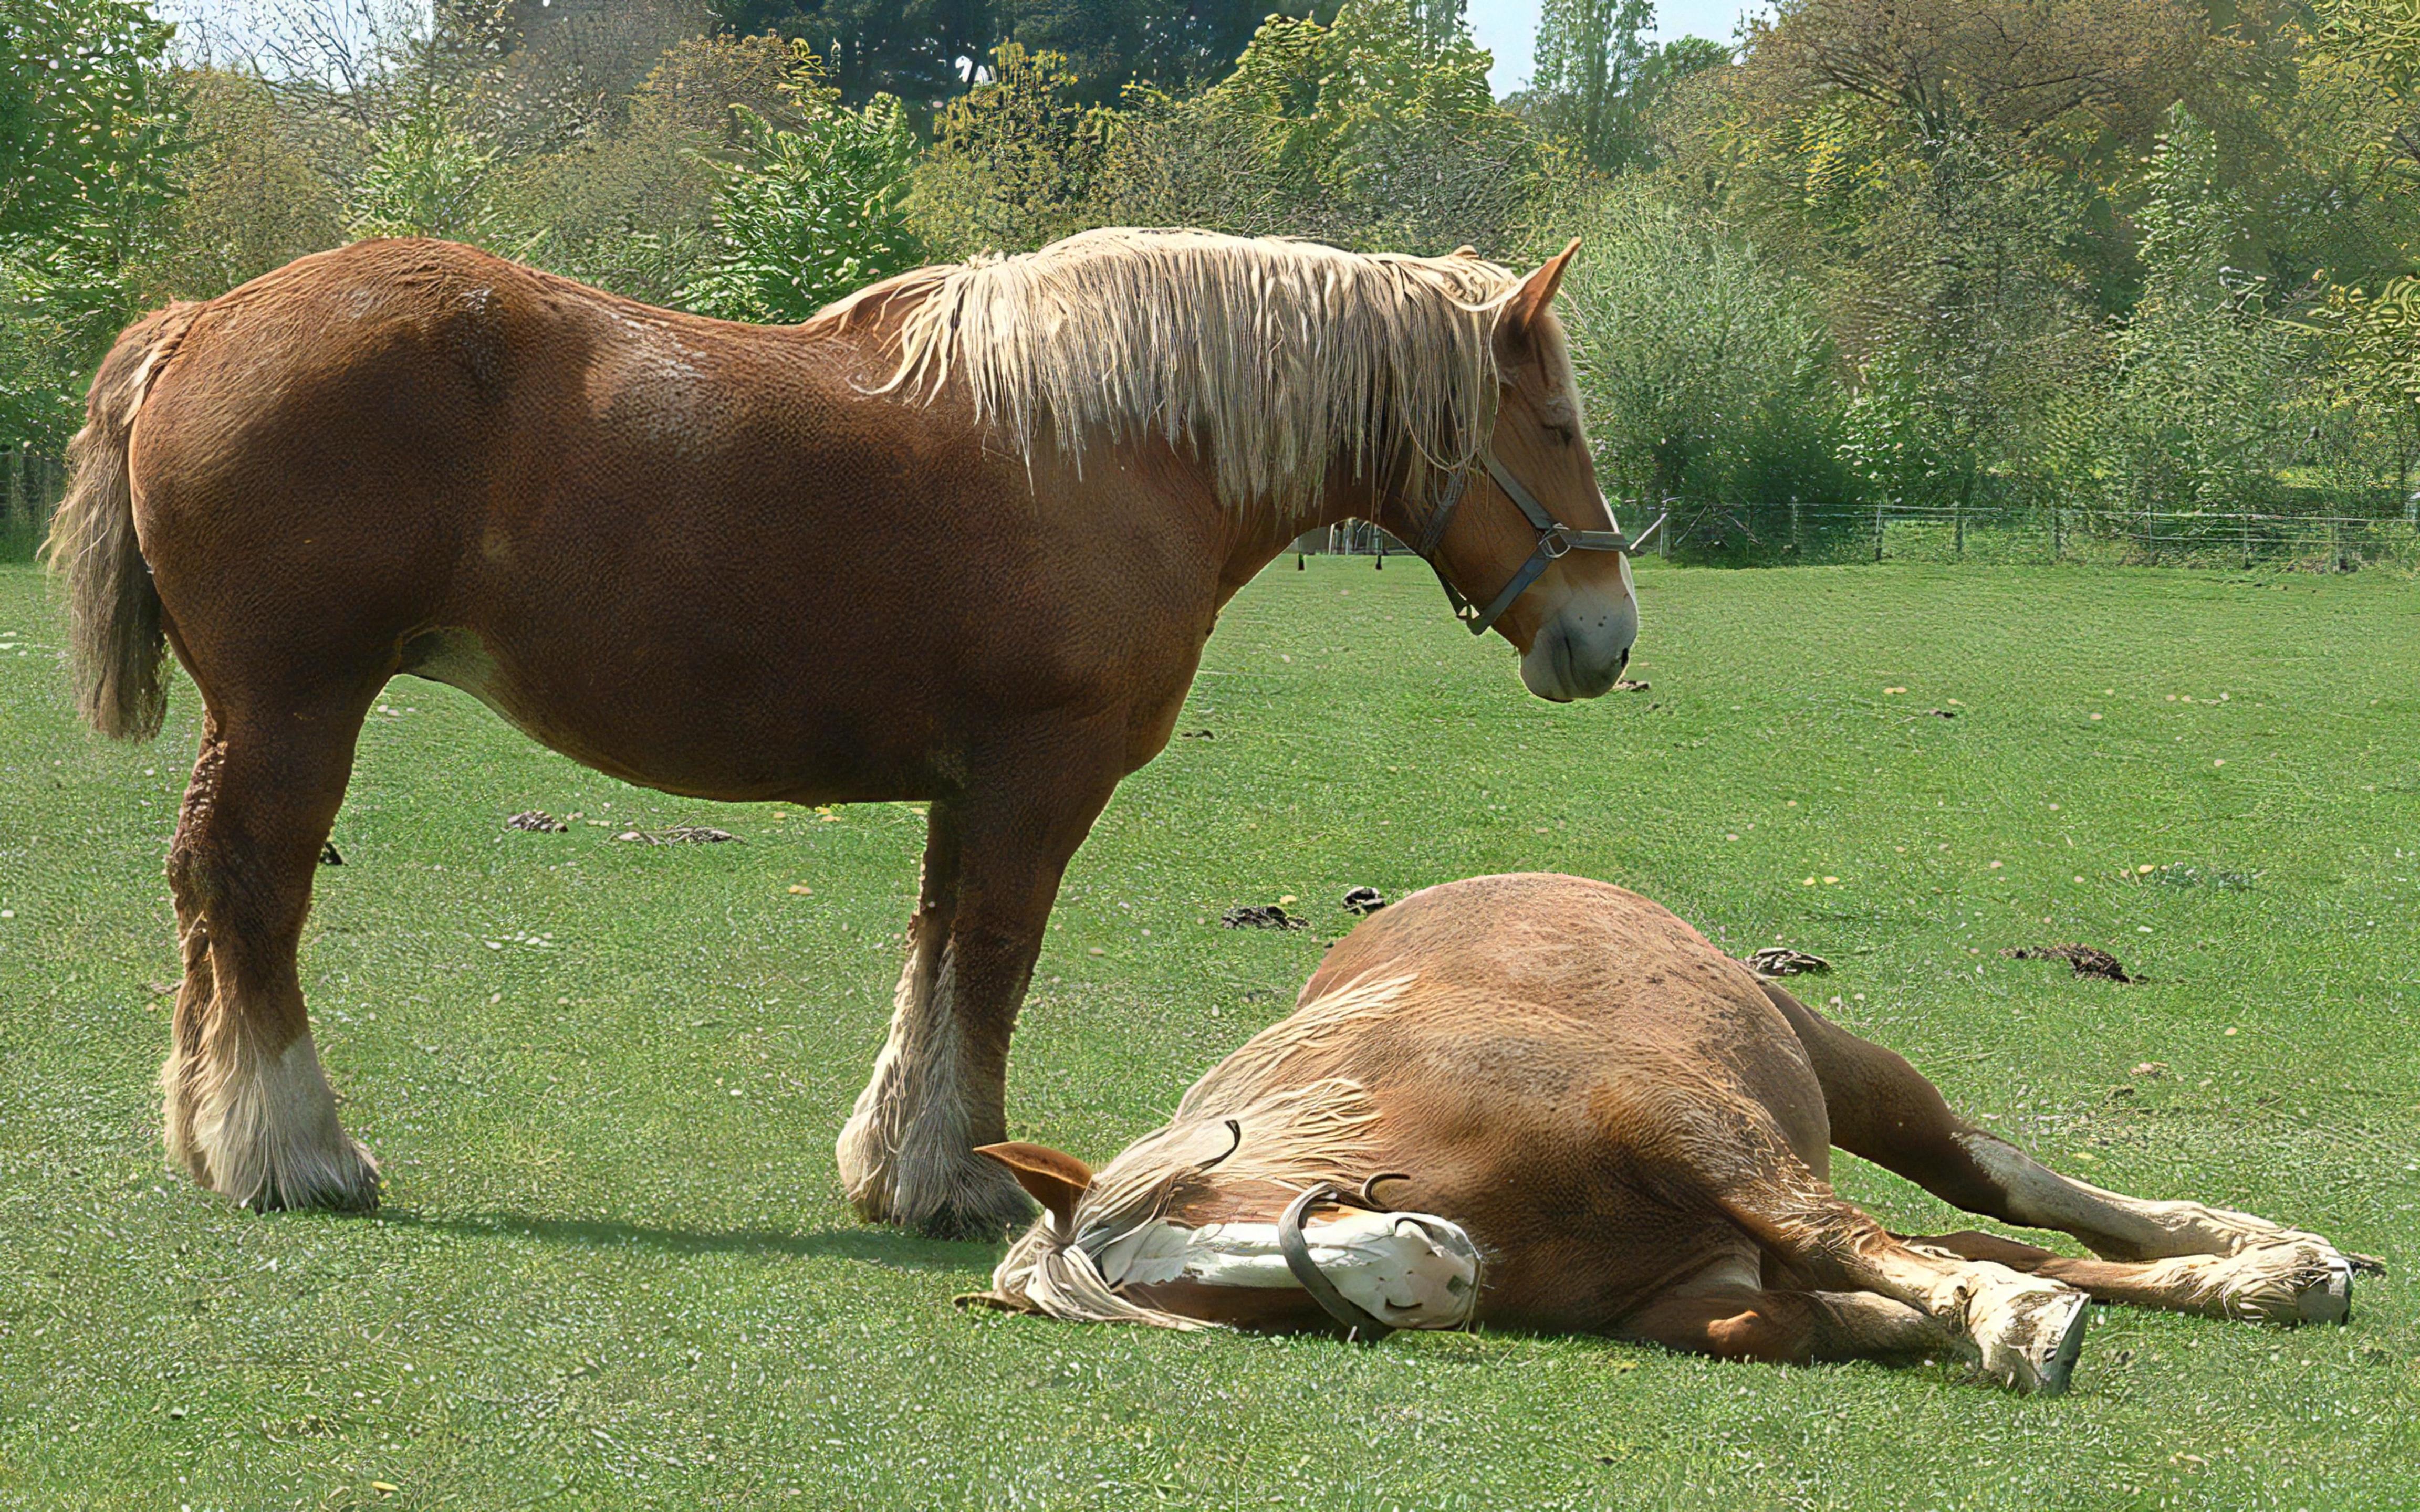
<point x="115" y="642"/>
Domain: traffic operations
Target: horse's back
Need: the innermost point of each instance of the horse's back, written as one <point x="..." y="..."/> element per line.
<point x="1598" y="971"/>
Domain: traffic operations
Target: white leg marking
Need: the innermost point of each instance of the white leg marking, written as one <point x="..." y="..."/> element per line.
<point x="906" y="1152"/>
<point x="2285" y="1275"/>
<point x="265" y="1128"/>
<point x="2024" y="1330"/>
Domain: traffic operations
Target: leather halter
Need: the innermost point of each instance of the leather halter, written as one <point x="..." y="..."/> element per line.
<point x="1361" y="1325"/>
<point x="1555" y="539"/>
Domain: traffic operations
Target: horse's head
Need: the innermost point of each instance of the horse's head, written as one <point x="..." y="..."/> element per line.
<point x="1546" y="569"/>
<point x="1172" y="1234"/>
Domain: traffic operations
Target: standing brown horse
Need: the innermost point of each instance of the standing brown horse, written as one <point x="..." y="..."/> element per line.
<point x="959" y="538"/>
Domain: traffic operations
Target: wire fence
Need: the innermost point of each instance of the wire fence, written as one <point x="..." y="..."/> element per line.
<point x="1788" y="531"/>
<point x="1773" y="533"/>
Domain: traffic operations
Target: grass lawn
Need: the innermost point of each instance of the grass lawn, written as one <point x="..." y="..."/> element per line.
<point x="615" y="1267"/>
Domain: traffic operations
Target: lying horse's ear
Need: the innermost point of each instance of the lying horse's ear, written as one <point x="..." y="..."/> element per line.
<point x="1053" y="1178"/>
<point x="1527" y="307"/>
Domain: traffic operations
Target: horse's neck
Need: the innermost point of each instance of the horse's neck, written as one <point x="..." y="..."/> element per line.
<point x="1258" y="536"/>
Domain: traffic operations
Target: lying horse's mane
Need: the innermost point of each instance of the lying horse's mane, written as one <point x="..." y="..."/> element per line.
<point x="1270" y="356"/>
<point x="1227" y="1128"/>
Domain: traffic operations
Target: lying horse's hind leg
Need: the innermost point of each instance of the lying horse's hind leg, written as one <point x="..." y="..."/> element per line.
<point x="1789" y="1327"/>
<point x="247" y="1109"/>
<point x="992" y="865"/>
<point x="2254" y="1285"/>
<point x="1884" y="1110"/>
<point x="2023" y="1331"/>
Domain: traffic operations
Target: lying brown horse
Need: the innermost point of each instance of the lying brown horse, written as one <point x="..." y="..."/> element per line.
<point x="959" y="538"/>
<point x="1544" y="1103"/>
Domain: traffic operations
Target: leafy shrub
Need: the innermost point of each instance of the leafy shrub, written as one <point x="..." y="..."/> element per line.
<point x="818" y="213"/>
<point x="1705" y="371"/>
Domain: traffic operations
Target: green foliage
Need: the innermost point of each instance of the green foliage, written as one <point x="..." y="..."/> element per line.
<point x="1182" y="45"/>
<point x="85" y="126"/>
<point x="1375" y="132"/>
<point x="428" y="175"/>
<point x="630" y="206"/>
<point x="2383" y="35"/>
<point x="89" y="133"/>
<point x="2375" y="341"/>
<point x="2206" y="401"/>
<point x="908" y="48"/>
<point x="1706" y="373"/>
<point x="1015" y="161"/>
<point x="1599" y="77"/>
<point x="249" y="197"/>
<point x="818" y="213"/>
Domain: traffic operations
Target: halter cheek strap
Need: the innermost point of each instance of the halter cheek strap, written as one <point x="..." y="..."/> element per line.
<point x="1555" y="540"/>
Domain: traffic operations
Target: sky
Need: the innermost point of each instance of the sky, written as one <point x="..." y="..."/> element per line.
<point x="1507" y="27"/>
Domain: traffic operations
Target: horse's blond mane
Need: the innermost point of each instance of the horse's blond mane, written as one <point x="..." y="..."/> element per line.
<point x="1271" y="357"/>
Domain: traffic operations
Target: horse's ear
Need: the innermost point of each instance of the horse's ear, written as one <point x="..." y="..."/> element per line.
<point x="1051" y="1177"/>
<point x="1516" y="326"/>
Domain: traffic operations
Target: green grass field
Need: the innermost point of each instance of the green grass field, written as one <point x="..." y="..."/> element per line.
<point x="614" y="1267"/>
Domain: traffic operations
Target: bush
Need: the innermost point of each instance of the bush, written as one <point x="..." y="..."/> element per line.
<point x="819" y="213"/>
<point x="1706" y="374"/>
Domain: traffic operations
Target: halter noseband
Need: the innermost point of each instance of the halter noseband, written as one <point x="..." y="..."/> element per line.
<point x="1555" y="539"/>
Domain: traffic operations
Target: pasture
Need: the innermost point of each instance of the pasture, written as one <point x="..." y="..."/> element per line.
<point x="614" y="1267"/>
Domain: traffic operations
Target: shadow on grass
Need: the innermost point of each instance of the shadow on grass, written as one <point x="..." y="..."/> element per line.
<point x="872" y="1246"/>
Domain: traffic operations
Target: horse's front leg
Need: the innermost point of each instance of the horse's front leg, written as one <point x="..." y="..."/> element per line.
<point x="993" y="858"/>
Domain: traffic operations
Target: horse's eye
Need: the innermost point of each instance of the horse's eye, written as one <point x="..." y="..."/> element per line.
<point x="1559" y="435"/>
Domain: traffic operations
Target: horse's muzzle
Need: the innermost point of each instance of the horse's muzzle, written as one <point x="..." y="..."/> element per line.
<point x="1581" y="652"/>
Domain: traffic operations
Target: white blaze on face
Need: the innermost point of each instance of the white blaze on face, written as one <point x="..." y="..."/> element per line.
<point x="1410" y="1271"/>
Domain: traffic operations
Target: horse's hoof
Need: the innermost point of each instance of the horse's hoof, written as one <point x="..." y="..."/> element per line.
<point x="975" y="1210"/>
<point x="2298" y="1279"/>
<point x="344" y="1181"/>
<point x="2028" y="1335"/>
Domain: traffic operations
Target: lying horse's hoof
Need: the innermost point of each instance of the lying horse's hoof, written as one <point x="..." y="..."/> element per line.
<point x="2029" y="1333"/>
<point x="2297" y="1279"/>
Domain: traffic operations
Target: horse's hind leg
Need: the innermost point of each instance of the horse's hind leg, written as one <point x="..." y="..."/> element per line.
<point x="2024" y="1331"/>
<point x="2249" y="1285"/>
<point x="1741" y="1322"/>
<point x="247" y="1109"/>
<point x="1882" y="1109"/>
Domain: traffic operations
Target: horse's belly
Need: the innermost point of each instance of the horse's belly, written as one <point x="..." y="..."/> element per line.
<point x="729" y="743"/>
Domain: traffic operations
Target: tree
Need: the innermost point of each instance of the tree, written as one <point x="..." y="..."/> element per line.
<point x="819" y="214"/>
<point x="914" y="49"/>
<point x="2208" y="384"/>
<point x="1598" y="76"/>
<point x="91" y="130"/>
<point x="1371" y="132"/>
<point x="1706" y="374"/>
<point x="248" y="197"/>
<point x="427" y="174"/>
<point x="1014" y="161"/>
<point x="630" y="208"/>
